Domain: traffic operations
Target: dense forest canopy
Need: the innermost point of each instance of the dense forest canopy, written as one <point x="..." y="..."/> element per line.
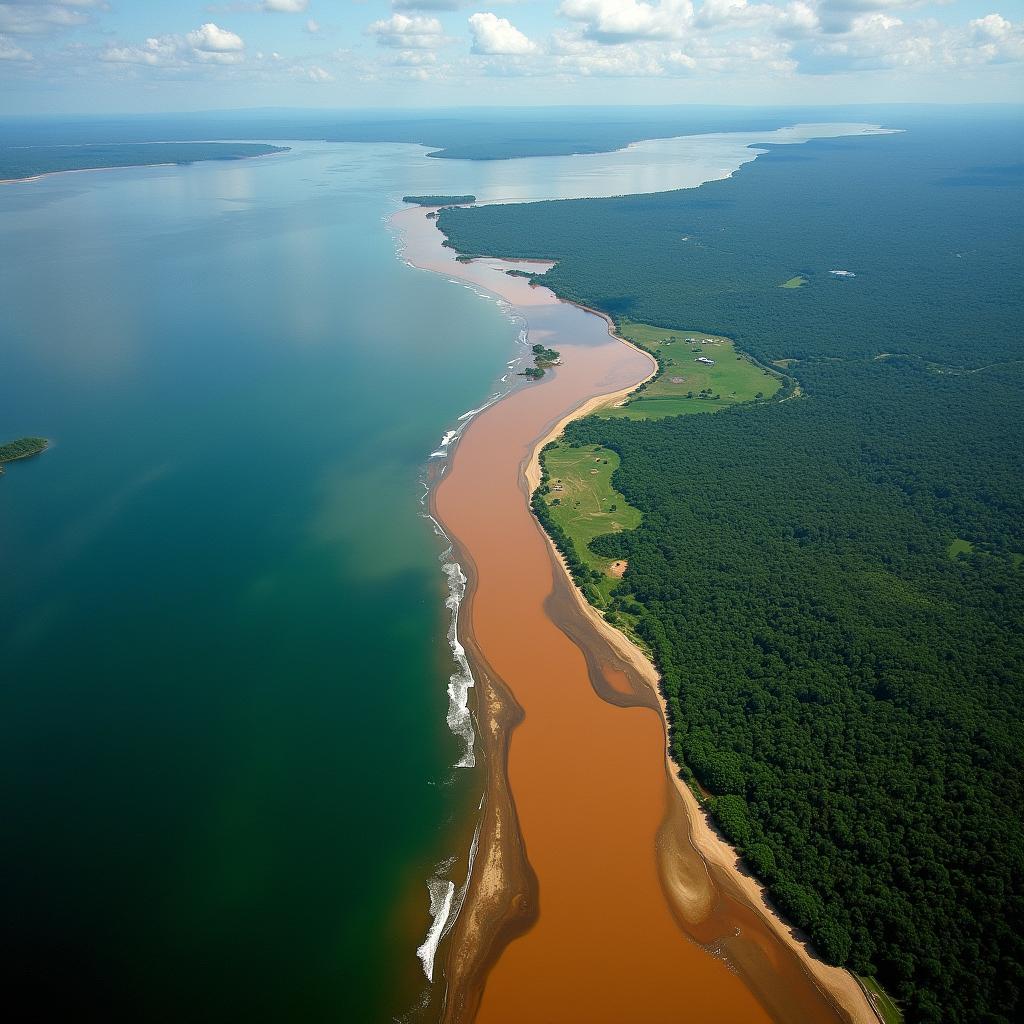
<point x="848" y="690"/>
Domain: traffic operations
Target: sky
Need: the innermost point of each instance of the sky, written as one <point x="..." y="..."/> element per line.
<point x="113" y="56"/>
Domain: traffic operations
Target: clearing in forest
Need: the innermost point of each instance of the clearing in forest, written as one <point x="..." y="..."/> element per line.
<point x="585" y="505"/>
<point x="698" y="372"/>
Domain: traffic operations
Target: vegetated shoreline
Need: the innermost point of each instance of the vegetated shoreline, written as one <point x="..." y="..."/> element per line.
<point x="501" y="897"/>
<point x="718" y="855"/>
<point x="22" y="448"/>
<point x="276" y="151"/>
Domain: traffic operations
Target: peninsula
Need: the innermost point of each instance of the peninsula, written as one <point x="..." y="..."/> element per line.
<point x="439" y="200"/>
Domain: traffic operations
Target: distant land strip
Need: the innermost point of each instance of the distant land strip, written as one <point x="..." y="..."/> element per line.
<point x="21" y="163"/>
<point x="439" y="200"/>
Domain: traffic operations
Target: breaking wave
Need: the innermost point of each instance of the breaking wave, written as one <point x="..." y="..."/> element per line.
<point x="446" y="902"/>
<point x="441" y="892"/>
<point x="460" y="719"/>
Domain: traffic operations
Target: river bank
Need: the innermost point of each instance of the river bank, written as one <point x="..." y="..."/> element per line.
<point x="624" y="827"/>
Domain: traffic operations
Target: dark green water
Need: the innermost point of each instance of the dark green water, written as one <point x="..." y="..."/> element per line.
<point x="221" y="623"/>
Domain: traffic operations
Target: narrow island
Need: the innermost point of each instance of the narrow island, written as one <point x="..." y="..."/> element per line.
<point x="542" y="359"/>
<point x="439" y="200"/>
<point x="23" y="448"/>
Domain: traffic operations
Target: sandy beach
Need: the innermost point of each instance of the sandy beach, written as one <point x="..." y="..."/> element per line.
<point x="601" y="890"/>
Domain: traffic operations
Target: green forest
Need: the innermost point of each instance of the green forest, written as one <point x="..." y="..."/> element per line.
<point x="22" y="448"/>
<point x="832" y="584"/>
<point x="438" y="200"/>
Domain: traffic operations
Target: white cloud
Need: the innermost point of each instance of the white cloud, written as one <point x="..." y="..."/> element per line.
<point x="838" y="16"/>
<point x="157" y="51"/>
<point x="415" y="59"/>
<point x="319" y="75"/>
<point x="616" y="21"/>
<point x="797" y="19"/>
<point x="680" y="61"/>
<point x="878" y="41"/>
<point x="285" y="6"/>
<point x="733" y="13"/>
<point x="211" y="38"/>
<point x="312" y="26"/>
<point x="404" y="33"/>
<point x="494" y="35"/>
<point x="10" y="51"/>
<point x="208" y="44"/>
<point x="426" y="5"/>
<point x="20" y="18"/>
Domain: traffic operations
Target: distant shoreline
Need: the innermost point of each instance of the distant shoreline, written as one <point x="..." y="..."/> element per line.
<point x="267" y="150"/>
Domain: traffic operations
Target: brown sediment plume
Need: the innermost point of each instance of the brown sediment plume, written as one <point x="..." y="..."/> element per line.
<point x="600" y="890"/>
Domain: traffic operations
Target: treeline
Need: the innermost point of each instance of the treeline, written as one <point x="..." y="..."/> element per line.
<point x="849" y="695"/>
<point x="438" y="200"/>
<point x="23" y="448"/>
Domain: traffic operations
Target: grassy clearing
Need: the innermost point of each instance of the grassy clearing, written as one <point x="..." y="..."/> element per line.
<point x="585" y="505"/>
<point x="957" y="547"/>
<point x="886" y="1007"/>
<point x="794" y="282"/>
<point x="685" y="386"/>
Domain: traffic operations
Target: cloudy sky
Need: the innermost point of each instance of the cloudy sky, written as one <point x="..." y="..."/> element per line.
<point x="136" y="55"/>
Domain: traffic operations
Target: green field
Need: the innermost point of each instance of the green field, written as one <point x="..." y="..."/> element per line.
<point x="585" y="505"/>
<point x="883" y="1004"/>
<point x="684" y="385"/>
<point x="794" y="282"/>
<point x="958" y="546"/>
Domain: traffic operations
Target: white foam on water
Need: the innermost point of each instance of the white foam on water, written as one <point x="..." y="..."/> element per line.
<point x="441" y="892"/>
<point x="460" y="682"/>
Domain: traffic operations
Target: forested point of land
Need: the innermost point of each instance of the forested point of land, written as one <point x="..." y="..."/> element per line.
<point x="848" y="693"/>
<point x="438" y="200"/>
<point x="23" y="448"/>
<point x="30" y="161"/>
